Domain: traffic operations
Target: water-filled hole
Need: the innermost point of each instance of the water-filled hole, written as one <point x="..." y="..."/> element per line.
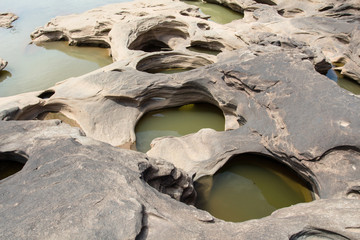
<point x="343" y="81"/>
<point x="218" y="13"/>
<point x="250" y="186"/>
<point x="10" y="163"/>
<point x="177" y="121"/>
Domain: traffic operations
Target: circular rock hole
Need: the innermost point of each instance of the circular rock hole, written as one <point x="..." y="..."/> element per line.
<point x="212" y="48"/>
<point x="171" y="63"/>
<point x="10" y="163"/>
<point x="177" y="121"/>
<point x="158" y="37"/>
<point x="250" y="186"/>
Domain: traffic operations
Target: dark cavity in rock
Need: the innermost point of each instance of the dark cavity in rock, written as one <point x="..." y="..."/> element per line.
<point x="46" y="94"/>
<point x="159" y="62"/>
<point x="10" y="163"/>
<point x="250" y="186"/>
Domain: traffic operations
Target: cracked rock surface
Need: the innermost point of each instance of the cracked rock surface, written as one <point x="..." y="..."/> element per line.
<point x="78" y="184"/>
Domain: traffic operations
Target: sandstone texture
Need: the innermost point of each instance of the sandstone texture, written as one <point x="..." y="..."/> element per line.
<point x="6" y="19"/>
<point x="80" y="183"/>
<point x="3" y="64"/>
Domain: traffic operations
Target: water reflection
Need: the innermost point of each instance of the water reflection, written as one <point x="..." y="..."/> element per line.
<point x="4" y="74"/>
<point x="219" y="14"/>
<point x="34" y="68"/>
<point x="177" y="122"/>
<point x="250" y="186"/>
<point x="343" y="81"/>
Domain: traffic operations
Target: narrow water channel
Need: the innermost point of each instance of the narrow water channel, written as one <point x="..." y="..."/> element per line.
<point x="32" y="67"/>
<point x="218" y="13"/>
<point x="248" y="187"/>
<point x="177" y="122"/>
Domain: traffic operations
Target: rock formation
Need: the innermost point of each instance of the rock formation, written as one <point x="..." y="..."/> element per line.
<point x="77" y="183"/>
<point x="3" y="64"/>
<point x="6" y="19"/>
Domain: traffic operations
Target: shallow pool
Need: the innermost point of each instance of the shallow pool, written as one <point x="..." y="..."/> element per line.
<point x="250" y="186"/>
<point x="32" y="67"/>
<point x="177" y="122"/>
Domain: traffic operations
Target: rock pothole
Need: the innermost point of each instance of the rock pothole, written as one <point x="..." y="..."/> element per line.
<point x="251" y="186"/>
<point x="161" y="37"/>
<point x="10" y="163"/>
<point x="159" y="62"/>
<point x="176" y="122"/>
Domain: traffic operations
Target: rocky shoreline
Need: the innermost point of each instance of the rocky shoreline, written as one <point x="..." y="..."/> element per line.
<point x="268" y="81"/>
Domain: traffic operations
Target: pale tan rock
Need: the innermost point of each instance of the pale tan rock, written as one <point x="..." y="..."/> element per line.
<point x="3" y="64"/>
<point x="6" y="19"/>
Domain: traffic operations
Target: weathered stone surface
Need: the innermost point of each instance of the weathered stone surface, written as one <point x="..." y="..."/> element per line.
<point x="75" y="187"/>
<point x="149" y="26"/>
<point x="6" y="19"/>
<point x="3" y="64"/>
<point x="127" y="28"/>
<point x="273" y="98"/>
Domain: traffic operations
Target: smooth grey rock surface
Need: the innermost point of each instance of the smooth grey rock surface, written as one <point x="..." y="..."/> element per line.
<point x="73" y="187"/>
<point x="78" y="183"/>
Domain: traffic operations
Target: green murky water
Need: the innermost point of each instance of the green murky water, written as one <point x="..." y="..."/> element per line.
<point x="8" y="168"/>
<point x="250" y="187"/>
<point x="177" y="122"/>
<point x="344" y="82"/>
<point x="32" y="67"/>
<point x="219" y="14"/>
<point x="204" y="50"/>
<point x="168" y="70"/>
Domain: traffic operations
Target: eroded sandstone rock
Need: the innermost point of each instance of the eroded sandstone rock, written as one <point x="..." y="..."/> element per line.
<point x="6" y="19"/>
<point x="71" y="181"/>
<point x="3" y="64"/>
<point x="275" y="102"/>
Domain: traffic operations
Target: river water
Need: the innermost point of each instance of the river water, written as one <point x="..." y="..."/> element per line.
<point x="32" y="67"/>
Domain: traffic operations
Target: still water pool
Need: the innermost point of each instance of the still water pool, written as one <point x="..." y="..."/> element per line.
<point x="250" y="186"/>
<point x="31" y="67"/>
<point x="177" y="122"/>
<point x="219" y="14"/>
